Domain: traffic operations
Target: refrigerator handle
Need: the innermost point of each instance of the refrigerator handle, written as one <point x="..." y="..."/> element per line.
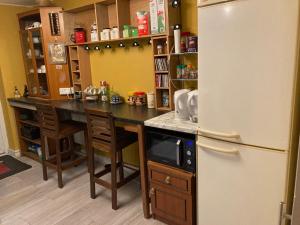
<point x="283" y="216"/>
<point x="216" y="149"/>
<point x="219" y="134"/>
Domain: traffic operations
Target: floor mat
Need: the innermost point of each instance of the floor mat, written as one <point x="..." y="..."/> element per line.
<point x="10" y="166"/>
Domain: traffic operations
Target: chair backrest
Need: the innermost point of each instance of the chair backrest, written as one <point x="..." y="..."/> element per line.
<point x="101" y="130"/>
<point x="48" y="118"/>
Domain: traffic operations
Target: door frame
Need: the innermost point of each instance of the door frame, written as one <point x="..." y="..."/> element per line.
<point x="3" y="132"/>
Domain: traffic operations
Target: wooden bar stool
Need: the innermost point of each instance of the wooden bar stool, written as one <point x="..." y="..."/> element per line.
<point x="53" y="129"/>
<point x="105" y="136"/>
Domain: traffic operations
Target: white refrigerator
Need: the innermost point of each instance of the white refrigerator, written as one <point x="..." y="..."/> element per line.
<point x="247" y="73"/>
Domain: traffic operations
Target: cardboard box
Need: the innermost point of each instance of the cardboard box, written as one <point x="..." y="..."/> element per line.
<point x="161" y="16"/>
<point x="153" y="16"/>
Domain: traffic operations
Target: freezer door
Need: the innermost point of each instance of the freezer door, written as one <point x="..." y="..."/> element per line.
<point x="247" y="51"/>
<point x="239" y="185"/>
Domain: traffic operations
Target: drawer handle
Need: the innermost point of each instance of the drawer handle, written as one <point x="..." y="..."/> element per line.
<point x="151" y="192"/>
<point x="168" y="180"/>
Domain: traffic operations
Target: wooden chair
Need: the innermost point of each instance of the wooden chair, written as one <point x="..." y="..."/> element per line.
<point x="105" y="136"/>
<point x="54" y="130"/>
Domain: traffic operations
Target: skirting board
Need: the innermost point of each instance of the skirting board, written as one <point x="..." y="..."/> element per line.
<point x="15" y="153"/>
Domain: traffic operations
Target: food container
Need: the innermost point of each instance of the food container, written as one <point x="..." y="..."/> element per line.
<point x="150" y="100"/>
<point x="126" y="31"/>
<point x="165" y="99"/>
<point x="134" y="32"/>
<point x="184" y="41"/>
<point x="131" y="99"/>
<point x="192" y="44"/>
<point x="143" y="23"/>
<point x="159" y="49"/>
<point x="140" y="98"/>
<point x="105" y="34"/>
<point x="114" y="33"/>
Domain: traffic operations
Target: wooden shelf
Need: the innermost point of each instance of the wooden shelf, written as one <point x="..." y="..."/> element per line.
<point x="185" y="53"/>
<point x="76" y="71"/>
<point x="30" y="122"/>
<point x="117" y="40"/>
<point x="158" y="72"/>
<point x="35" y="141"/>
<point x="164" y="108"/>
<point x="163" y="88"/>
<point x="161" y="55"/>
<point x="31" y="155"/>
<point x="185" y="79"/>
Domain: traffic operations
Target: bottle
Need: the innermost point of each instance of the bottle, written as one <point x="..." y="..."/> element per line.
<point x="26" y="92"/>
<point x="94" y="32"/>
<point x="17" y="93"/>
<point x="177" y="37"/>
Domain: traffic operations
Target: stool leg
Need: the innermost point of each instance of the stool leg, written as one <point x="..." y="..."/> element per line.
<point x="121" y="169"/>
<point x="114" y="181"/>
<point x="91" y="166"/>
<point x="58" y="163"/>
<point x="43" y="149"/>
<point x="86" y="143"/>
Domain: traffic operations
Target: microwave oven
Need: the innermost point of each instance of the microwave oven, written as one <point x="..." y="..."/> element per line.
<point x="172" y="148"/>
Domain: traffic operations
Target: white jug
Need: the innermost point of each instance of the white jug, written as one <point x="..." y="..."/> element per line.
<point x="181" y="107"/>
<point x="193" y="105"/>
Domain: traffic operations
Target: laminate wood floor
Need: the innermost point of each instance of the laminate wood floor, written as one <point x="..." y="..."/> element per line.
<point x="25" y="199"/>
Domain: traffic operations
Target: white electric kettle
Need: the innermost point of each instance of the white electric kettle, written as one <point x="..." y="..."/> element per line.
<point x="181" y="107"/>
<point x="193" y="105"/>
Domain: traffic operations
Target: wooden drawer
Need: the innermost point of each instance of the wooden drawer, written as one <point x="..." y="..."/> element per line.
<point x="170" y="177"/>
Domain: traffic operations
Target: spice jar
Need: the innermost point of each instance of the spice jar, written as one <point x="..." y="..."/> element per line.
<point x="140" y="98"/>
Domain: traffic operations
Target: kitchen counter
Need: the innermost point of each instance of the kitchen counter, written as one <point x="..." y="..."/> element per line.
<point x="167" y="121"/>
<point x="122" y="112"/>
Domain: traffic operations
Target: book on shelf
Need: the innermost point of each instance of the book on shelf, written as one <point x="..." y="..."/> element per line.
<point x="162" y="81"/>
<point x="161" y="64"/>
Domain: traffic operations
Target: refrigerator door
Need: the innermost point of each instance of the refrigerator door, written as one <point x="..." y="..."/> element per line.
<point x="202" y="3"/>
<point x="238" y="184"/>
<point x="296" y="205"/>
<point x="247" y="52"/>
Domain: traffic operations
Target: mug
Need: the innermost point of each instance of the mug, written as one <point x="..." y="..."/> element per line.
<point x="35" y="40"/>
<point x="39" y="70"/>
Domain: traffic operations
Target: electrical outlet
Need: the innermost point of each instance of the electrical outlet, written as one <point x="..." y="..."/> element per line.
<point x="66" y="91"/>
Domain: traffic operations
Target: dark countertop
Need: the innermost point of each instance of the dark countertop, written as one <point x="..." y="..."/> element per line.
<point x="122" y="112"/>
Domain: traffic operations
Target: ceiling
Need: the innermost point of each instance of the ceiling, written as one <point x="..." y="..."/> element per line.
<point x="22" y="2"/>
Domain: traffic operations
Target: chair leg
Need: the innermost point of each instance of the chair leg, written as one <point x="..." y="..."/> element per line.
<point x="121" y="168"/>
<point x="43" y="149"/>
<point x="91" y="166"/>
<point x="86" y="143"/>
<point x="114" y="181"/>
<point x="58" y="163"/>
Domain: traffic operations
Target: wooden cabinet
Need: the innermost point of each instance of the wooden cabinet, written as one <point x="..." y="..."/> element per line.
<point x="38" y="29"/>
<point x="172" y="193"/>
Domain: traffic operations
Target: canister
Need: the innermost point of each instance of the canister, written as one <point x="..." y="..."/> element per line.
<point x="150" y="100"/>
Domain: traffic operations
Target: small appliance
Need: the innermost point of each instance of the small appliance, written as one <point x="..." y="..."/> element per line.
<point x="172" y="148"/>
<point x="193" y="105"/>
<point x="180" y="101"/>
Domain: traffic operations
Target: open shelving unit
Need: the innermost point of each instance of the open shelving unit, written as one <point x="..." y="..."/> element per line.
<point x="81" y="73"/>
<point x="117" y="13"/>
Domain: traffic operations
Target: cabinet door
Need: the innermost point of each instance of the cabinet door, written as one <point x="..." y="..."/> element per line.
<point x="202" y="3"/>
<point x="242" y="188"/>
<point x="29" y="62"/>
<point x="170" y="206"/>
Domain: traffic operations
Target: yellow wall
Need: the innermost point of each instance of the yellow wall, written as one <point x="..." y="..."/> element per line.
<point x="11" y="66"/>
<point x="125" y="69"/>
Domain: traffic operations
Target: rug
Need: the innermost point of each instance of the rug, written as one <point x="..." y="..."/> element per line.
<point x="10" y="166"/>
